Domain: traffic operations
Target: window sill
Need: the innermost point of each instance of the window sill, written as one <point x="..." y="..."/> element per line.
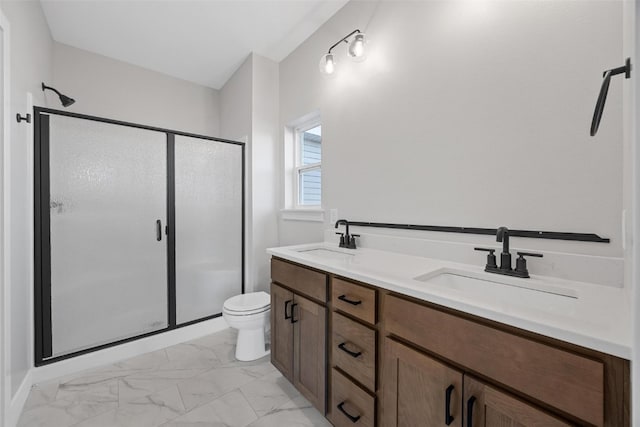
<point x="311" y="215"/>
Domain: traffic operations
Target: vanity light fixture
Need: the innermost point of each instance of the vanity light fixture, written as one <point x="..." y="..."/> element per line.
<point x="356" y="51"/>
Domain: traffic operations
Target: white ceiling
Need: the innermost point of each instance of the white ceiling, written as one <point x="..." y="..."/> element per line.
<point x="200" y="41"/>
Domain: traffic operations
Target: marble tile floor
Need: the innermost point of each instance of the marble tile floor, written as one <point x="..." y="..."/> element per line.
<point x="197" y="383"/>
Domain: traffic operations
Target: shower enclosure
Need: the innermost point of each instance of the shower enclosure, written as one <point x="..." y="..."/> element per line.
<point x="138" y="230"/>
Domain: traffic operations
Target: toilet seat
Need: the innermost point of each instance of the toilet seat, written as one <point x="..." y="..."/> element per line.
<point x="244" y="313"/>
<point x="247" y="304"/>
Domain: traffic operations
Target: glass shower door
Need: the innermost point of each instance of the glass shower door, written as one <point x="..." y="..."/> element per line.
<point x="209" y="224"/>
<point x="108" y="210"/>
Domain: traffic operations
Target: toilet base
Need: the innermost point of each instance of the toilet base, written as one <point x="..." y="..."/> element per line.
<point x="251" y="345"/>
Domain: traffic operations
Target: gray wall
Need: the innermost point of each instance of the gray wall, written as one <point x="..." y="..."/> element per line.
<point x="31" y="59"/>
<point x="470" y="114"/>
<point x="249" y="111"/>
<point x="235" y="103"/>
<point x="113" y="89"/>
<point x="264" y="164"/>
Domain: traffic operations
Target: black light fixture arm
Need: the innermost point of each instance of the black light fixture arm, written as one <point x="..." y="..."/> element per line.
<point x="344" y="39"/>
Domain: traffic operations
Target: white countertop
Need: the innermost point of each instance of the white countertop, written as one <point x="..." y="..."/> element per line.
<point x="588" y="315"/>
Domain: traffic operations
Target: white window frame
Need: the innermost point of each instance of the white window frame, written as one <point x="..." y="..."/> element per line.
<point x="298" y="167"/>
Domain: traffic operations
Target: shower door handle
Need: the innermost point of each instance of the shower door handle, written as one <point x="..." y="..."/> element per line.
<point x="158" y="230"/>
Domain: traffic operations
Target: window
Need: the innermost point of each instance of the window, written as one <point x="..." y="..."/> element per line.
<point x="307" y="170"/>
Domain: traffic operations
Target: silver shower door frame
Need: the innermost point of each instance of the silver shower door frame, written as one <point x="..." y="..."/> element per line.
<point x="42" y="232"/>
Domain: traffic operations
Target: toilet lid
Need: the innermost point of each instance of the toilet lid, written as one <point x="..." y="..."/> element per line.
<point x="248" y="302"/>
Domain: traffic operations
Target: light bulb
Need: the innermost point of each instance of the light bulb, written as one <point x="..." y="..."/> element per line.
<point x="327" y="64"/>
<point x="357" y="49"/>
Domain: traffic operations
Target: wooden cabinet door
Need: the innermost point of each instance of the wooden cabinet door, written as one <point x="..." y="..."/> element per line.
<point x="282" y="330"/>
<point x="309" y="366"/>
<point x="488" y="407"/>
<point x="418" y="391"/>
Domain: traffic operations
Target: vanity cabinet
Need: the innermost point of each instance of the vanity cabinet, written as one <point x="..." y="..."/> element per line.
<point x="486" y="406"/>
<point x="350" y="404"/>
<point x="542" y="376"/>
<point x="282" y="330"/>
<point x="298" y="328"/>
<point x="353" y="353"/>
<point x="379" y="358"/>
<point x="419" y="390"/>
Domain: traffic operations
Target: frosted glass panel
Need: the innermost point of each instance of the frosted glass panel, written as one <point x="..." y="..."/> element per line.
<point x="108" y="271"/>
<point x="208" y="226"/>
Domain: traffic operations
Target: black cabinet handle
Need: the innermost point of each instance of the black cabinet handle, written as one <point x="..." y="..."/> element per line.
<point x="348" y="301"/>
<point x="448" y="418"/>
<point x="470" y="403"/>
<point x="348" y="415"/>
<point x="286" y="305"/>
<point x="344" y="348"/>
<point x="293" y="306"/>
<point x="158" y="230"/>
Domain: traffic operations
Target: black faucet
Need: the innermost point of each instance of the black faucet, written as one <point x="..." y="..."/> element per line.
<point x="502" y="235"/>
<point x="346" y="240"/>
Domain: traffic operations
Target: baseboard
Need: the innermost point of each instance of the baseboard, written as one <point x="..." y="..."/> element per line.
<point x="19" y="399"/>
<point x="125" y="351"/>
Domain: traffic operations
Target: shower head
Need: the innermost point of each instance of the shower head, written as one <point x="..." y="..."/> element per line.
<point x="64" y="99"/>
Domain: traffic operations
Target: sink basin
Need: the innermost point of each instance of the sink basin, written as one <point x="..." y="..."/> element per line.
<point x="327" y="254"/>
<point x="469" y="284"/>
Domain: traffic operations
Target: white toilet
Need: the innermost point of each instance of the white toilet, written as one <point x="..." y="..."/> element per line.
<point x="249" y="314"/>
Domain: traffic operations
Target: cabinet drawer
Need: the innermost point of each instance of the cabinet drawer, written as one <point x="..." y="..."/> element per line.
<point x="302" y="280"/>
<point x="354" y="350"/>
<point x="349" y="403"/>
<point x="569" y="382"/>
<point x="354" y="299"/>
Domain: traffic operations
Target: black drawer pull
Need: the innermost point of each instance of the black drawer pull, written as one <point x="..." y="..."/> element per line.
<point x="470" y="403"/>
<point x="448" y="418"/>
<point x="286" y="305"/>
<point x="291" y="317"/>
<point x="344" y="348"/>
<point x="348" y="415"/>
<point x="348" y="301"/>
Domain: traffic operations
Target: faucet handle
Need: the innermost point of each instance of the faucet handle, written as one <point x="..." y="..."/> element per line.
<point x="342" y="242"/>
<point x="521" y="263"/>
<point x="351" y="242"/>
<point x="491" y="258"/>
<point x="523" y="254"/>
<point x="484" y="250"/>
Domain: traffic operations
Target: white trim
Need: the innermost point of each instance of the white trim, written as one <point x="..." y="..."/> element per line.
<point x="310" y="121"/>
<point x="30" y="235"/>
<point x="631" y="10"/>
<point x="312" y="215"/>
<point x="248" y="215"/>
<point x="5" y="236"/>
<point x="20" y="398"/>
